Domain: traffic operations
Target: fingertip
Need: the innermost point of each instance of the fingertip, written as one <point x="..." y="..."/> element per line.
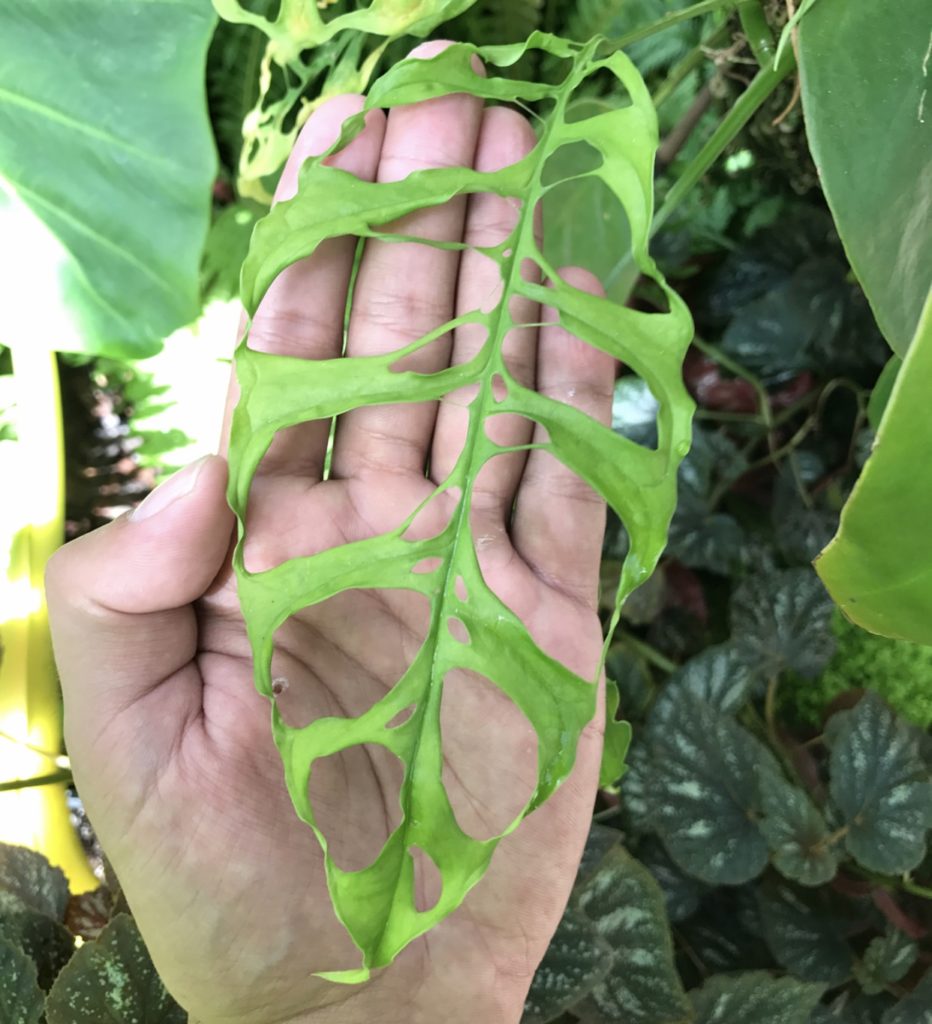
<point x="581" y="279"/>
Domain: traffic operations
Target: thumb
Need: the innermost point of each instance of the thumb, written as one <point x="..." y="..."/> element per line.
<point x="120" y="600"/>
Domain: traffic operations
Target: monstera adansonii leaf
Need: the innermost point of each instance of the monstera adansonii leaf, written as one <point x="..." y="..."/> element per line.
<point x="376" y="904"/>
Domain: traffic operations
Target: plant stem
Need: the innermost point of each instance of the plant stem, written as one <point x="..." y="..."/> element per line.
<point x="673" y="18"/>
<point x="745" y="107"/>
<point x="648" y="653"/>
<point x="915" y="889"/>
<point x="688" y="64"/>
<point x="38" y="780"/>
<point x="755" y="27"/>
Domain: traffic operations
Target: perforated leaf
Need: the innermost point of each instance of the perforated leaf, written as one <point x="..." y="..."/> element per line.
<point x="376" y="904"/>
<point x="627" y="906"/>
<point x="881" y="785"/>
<point x="305" y="46"/>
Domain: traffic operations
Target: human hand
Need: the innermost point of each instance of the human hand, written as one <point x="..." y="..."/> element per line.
<point x="170" y="743"/>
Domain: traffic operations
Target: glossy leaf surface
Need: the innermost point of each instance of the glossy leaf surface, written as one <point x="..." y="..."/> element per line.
<point x="879" y="566"/>
<point x="376" y="904"/>
<point x="110" y="161"/>
<point x="866" y="75"/>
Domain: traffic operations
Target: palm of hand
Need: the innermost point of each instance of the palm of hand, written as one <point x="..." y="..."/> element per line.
<point x="226" y="883"/>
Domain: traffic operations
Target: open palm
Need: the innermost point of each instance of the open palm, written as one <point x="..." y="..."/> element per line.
<point x="170" y="742"/>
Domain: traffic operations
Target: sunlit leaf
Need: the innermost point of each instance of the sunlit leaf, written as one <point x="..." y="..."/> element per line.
<point x="114" y="166"/>
<point x="376" y="904"/>
<point x="881" y="786"/>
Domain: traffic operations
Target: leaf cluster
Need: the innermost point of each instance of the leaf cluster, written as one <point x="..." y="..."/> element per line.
<point x="71" y="959"/>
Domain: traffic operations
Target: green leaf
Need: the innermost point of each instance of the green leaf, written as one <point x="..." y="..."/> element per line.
<point x="21" y="1000"/>
<point x="112" y="979"/>
<point x="726" y="934"/>
<point x="796" y="832"/>
<point x="703" y="794"/>
<point x="28" y="880"/>
<point x="226" y="248"/>
<point x="886" y="960"/>
<point x="576" y="960"/>
<point x="881" y="786"/>
<point x="753" y="998"/>
<point x="600" y="840"/>
<point x="878" y="570"/>
<point x="107" y="175"/>
<point x="916" y="1008"/>
<point x="617" y="739"/>
<point x="883" y="389"/>
<point x="586" y="224"/>
<point x="627" y="907"/>
<point x="866" y="90"/>
<point x="782" y="620"/>
<point x="376" y="904"/>
<point x="803" y="934"/>
<point x="48" y="943"/>
<point x="682" y="894"/>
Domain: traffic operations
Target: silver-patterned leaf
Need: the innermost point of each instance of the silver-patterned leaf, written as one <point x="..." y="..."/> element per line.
<point x="704" y="797"/>
<point x="881" y="786"/>
<point x="21" y="999"/>
<point x="782" y="620"/>
<point x="27" y="879"/>
<point x="916" y="1008"/>
<point x="755" y="997"/>
<point x="796" y="832"/>
<point x="803" y="934"/>
<point x="112" y="979"/>
<point x="627" y="908"/>
<point x="682" y="894"/>
<point x="577" y="958"/>
<point x="886" y="960"/>
<point x="46" y="942"/>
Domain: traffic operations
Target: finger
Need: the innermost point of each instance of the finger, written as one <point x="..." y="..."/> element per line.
<point x="302" y="313"/>
<point x="505" y="138"/>
<point x="559" y="521"/>
<point x="406" y="289"/>
<point x="123" y="628"/>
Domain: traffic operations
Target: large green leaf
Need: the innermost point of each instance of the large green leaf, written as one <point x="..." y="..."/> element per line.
<point x="27" y="879"/>
<point x="755" y="998"/>
<point x="879" y="566"/>
<point x="376" y="905"/>
<point x="21" y="999"/>
<point x="867" y="97"/>
<point x="106" y="160"/>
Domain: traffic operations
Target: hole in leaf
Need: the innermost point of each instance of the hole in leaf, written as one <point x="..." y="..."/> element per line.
<point x="343" y="655"/>
<point x="458" y="630"/>
<point x="430" y="358"/>
<point x="434" y="517"/>
<point x="401" y="717"/>
<point x="428" y="882"/>
<point x="427" y="565"/>
<point x="489" y="754"/>
<point x="507" y="428"/>
<point x="355" y="795"/>
<point x="499" y="387"/>
<point x="530" y="270"/>
<point x="570" y="160"/>
<point x="461" y="592"/>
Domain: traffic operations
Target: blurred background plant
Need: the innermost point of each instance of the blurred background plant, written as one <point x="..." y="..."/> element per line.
<point x="769" y="838"/>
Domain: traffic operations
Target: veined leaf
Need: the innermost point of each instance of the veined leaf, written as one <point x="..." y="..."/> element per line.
<point x="755" y="997"/>
<point x="107" y="172"/>
<point x="376" y="904"/>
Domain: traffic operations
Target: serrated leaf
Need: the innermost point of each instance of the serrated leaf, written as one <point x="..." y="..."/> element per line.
<point x="112" y="979"/>
<point x="797" y="833"/>
<point x="916" y="1008"/>
<point x="21" y="999"/>
<point x="627" y="907"/>
<point x="717" y="675"/>
<point x="27" y="879"/>
<point x="782" y="620"/>
<point x="703" y="797"/>
<point x="617" y="739"/>
<point x="803" y="935"/>
<point x="48" y="944"/>
<point x="753" y="998"/>
<point x="376" y="905"/>
<point x="113" y="242"/>
<point x="881" y="576"/>
<point x="886" y="960"/>
<point x="881" y="787"/>
<point x="576" y="960"/>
